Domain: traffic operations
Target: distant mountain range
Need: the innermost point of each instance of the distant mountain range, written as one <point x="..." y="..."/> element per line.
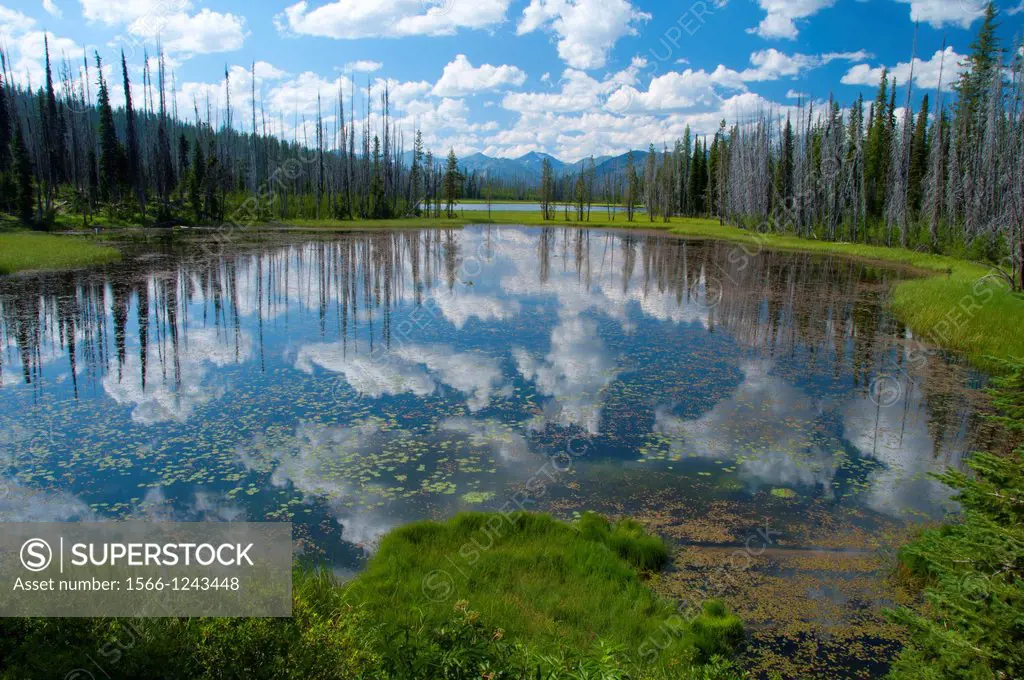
<point x="529" y="166"/>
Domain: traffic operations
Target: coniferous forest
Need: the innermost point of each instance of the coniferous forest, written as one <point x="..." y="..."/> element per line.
<point x="946" y="177"/>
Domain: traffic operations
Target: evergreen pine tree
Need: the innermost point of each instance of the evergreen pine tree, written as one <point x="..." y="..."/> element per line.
<point x="547" y="189"/>
<point x="52" y="132"/>
<point x="684" y="173"/>
<point x="452" y="182"/>
<point x="918" y="159"/>
<point x="211" y="182"/>
<point x="428" y="183"/>
<point x="786" y="163"/>
<point x="632" y="186"/>
<point x="197" y="182"/>
<point x="5" y="129"/>
<point x="697" y="180"/>
<point x="876" y="149"/>
<point x="22" y="176"/>
<point x="133" y="167"/>
<point x="111" y="153"/>
<point x="977" y="73"/>
<point x="711" y="181"/>
<point x="650" y="185"/>
<point x="183" y="162"/>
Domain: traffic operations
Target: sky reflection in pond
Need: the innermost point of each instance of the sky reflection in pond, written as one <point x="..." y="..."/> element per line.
<point x="354" y="383"/>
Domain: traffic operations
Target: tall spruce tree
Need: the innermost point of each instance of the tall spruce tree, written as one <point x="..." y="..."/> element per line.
<point x="650" y="183"/>
<point x="183" y="163"/>
<point x="877" y="148"/>
<point x="978" y="70"/>
<point x="22" y="176"/>
<point x="197" y="182"/>
<point x="632" y="186"/>
<point x="918" y="159"/>
<point x="133" y="165"/>
<point x="111" y="154"/>
<point x="5" y="128"/>
<point x="698" y="180"/>
<point x="547" y="189"/>
<point x="452" y="183"/>
<point x="786" y="163"/>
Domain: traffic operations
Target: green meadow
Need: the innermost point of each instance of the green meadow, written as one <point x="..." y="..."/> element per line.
<point x="27" y="251"/>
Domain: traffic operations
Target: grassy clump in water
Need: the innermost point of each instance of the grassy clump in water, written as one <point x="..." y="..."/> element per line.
<point x="715" y="629"/>
<point x="518" y="597"/>
<point x="547" y="584"/>
<point x="28" y="251"/>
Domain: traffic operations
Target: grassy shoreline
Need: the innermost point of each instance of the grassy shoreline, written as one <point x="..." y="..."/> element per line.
<point x="28" y="251"/>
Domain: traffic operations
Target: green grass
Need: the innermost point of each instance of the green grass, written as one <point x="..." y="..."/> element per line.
<point x="953" y="305"/>
<point x="517" y="597"/>
<point x="545" y="583"/>
<point x="28" y="251"/>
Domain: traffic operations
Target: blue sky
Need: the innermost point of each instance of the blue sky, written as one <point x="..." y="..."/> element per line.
<point x="504" y="77"/>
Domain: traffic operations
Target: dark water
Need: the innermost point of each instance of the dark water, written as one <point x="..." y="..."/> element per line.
<point x="356" y="383"/>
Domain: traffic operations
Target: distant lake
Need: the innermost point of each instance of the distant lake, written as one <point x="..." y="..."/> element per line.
<point x="596" y="211"/>
<point x="357" y="382"/>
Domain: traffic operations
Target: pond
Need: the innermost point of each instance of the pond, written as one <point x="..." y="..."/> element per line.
<point x="355" y="383"/>
<point x="525" y="206"/>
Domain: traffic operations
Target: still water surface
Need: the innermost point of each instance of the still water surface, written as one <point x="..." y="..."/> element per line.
<point x="356" y="383"/>
<point x="602" y="211"/>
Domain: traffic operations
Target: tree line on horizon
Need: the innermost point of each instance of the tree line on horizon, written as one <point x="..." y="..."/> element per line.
<point x="65" y="152"/>
<point x="947" y="178"/>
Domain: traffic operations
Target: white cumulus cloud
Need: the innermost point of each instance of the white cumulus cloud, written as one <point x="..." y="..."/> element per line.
<point x="363" y="66"/>
<point x="461" y="78"/>
<point x="926" y="72"/>
<point x="939" y="13"/>
<point x="586" y="29"/>
<point x="781" y="17"/>
<point x="200" y="33"/>
<point x="353" y="19"/>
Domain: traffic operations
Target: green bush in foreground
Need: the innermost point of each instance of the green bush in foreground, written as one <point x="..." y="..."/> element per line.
<point x="519" y="596"/>
<point x="971" y="626"/>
